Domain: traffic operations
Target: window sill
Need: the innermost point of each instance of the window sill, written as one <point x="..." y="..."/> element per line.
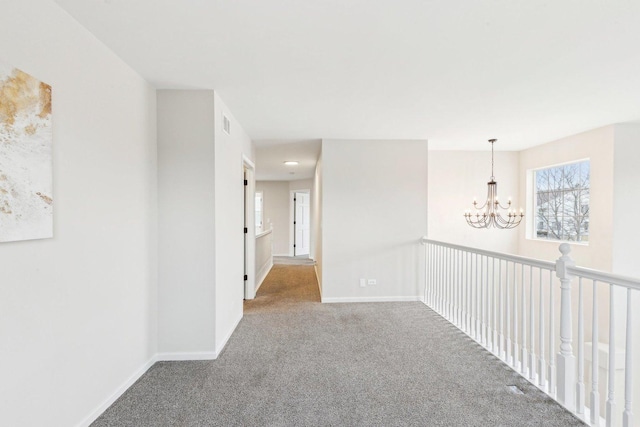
<point x="559" y="242"/>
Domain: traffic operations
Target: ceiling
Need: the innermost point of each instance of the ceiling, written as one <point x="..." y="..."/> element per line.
<point x="454" y="72"/>
<point x="271" y="155"/>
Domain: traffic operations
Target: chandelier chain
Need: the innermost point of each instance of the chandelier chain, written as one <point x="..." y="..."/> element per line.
<point x="492" y="175"/>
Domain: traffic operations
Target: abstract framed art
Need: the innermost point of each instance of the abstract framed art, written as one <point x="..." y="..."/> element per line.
<point x="26" y="138"/>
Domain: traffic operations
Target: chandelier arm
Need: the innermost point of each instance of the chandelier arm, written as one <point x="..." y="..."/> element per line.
<point x="512" y="221"/>
<point x="483" y="206"/>
<point x="503" y="207"/>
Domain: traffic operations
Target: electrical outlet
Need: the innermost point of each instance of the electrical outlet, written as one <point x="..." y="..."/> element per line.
<point x="372" y="282"/>
<point x="363" y="283"/>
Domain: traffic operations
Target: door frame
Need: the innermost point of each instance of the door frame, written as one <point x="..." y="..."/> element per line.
<point x="292" y="216"/>
<point x="249" y="192"/>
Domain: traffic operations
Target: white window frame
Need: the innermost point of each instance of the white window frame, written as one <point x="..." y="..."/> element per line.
<point x="531" y="231"/>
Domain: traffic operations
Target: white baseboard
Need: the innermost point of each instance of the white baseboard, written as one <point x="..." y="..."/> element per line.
<point x="160" y="357"/>
<point x="184" y="356"/>
<point x="371" y="299"/>
<point x="262" y="274"/>
<point x="226" y="338"/>
<point x="282" y="254"/>
<point x="117" y="393"/>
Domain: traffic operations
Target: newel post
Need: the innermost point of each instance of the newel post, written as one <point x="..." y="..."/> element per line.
<point x="566" y="361"/>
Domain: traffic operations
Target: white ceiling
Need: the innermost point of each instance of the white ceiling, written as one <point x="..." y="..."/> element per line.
<point x="454" y="72"/>
<point x="271" y="155"/>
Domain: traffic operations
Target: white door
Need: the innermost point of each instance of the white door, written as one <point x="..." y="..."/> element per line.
<point x="301" y="224"/>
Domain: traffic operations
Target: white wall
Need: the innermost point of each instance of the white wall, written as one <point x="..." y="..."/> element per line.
<point x="276" y="213"/>
<point x="374" y="212"/>
<point x="626" y="200"/>
<point x="455" y="178"/>
<point x="229" y="151"/>
<point x="301" y="184"/>
<point x="596" y="145"/>
<point x="201" y="223"/>
<point x="186" y="223"/>
<point x="70" y="305"/>
<point x="626" y="235"/>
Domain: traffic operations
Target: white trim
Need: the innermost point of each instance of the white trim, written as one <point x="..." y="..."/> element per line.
<point x="226" y="339"/>
<point x="247" y="161"/>
<point x="264" y="233"/>
<point x="117" y="393"/>
<point x="262" y="274"/>
<point x="183" y="356"/>
<point x="291" y="228"/>
<point x="371" y="299"/>
<point x="249" y="238"/>
<point x="287" y="255"/>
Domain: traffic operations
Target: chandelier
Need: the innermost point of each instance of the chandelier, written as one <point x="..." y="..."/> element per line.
<point x="488" y="215"/>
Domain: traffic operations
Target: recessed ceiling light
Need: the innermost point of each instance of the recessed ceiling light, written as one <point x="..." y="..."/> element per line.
<point x="291" y="163"/>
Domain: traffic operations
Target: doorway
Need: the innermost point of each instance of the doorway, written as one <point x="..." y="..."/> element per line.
<point x="301" y="207"/>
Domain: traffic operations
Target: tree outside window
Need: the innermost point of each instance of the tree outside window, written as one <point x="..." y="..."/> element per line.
<point x="562" y="202"/>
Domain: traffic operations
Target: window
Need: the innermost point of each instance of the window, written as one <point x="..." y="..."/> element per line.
<point x="562" y="202"/>
<point x="258" y="215"/>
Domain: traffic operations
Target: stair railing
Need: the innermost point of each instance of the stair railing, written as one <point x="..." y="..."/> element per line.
<point x="509" y="304"/>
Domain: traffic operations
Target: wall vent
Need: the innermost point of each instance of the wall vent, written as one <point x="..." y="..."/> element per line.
<point x="514" y="389"/>
<point x="226" y="125"/>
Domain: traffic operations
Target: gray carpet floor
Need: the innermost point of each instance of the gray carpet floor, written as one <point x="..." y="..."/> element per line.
<point x="296" y="362"/>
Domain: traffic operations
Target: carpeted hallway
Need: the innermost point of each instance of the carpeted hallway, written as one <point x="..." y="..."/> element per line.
<point x="296" y="362"/>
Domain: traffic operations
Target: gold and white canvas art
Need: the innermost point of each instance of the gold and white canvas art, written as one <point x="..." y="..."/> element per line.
<point x="26" y="199"/>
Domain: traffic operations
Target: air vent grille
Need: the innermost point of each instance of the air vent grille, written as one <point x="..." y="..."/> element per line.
<point x="226" y="125"/>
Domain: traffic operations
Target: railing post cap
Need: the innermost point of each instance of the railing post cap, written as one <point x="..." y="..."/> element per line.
<point x="563" y="262"/>
<point x="565" y="248"/>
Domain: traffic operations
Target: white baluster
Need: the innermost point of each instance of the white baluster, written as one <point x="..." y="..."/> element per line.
<point x="483" y="302"/>
<point x="552" y="339"/>
<point x="580" y="398"/>
<point x="566" y="359"/>
<point x="478" y="297"/>
<point x="627" y="416"/>
<point x="516" y="347"/>
<point x="434" y="277"/>
<point x="532" y="332"/>
<point x="442" y="281"/>
<point x="460" y="292"/>
<point x="523" y="309"/>
<point x="447" y="287"/>
<point x="494" y="329"/>
<point x="542" y="367"/>
<point x="456" y="271"/>
<point x="611" y="397"/>
<point x="470" y="293"/>
<point x="500" y="313"/>
<point x="438" y="281"/>
<point x="507" y="305"/>
<point x="452" y="287"/>
<point x="595" y="361"/>
<point x="454" y="309"/>
<point x="427" y="275"/>
<point x="466" y="293"/>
